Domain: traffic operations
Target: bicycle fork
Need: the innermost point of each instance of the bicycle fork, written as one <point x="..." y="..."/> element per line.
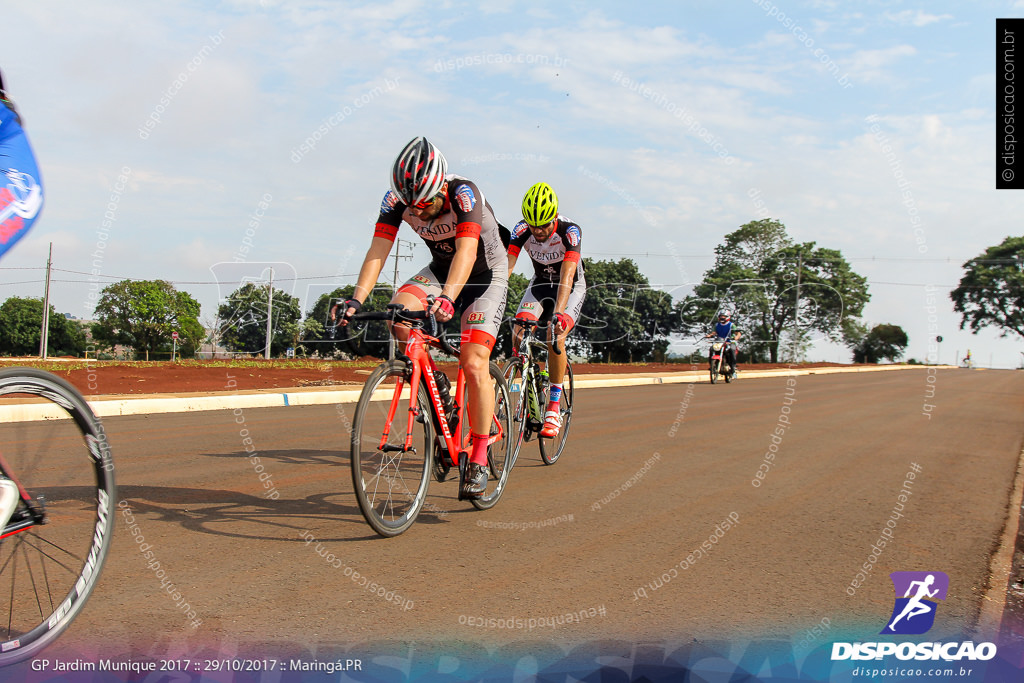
<point x="9" y="497"/>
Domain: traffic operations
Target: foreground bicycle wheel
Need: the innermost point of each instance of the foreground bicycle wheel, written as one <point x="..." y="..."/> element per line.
<point x="551" y="449"/>
<point x="501" y="453"/>
<point x="63" y="467"/>
<point x="391" y="484"/>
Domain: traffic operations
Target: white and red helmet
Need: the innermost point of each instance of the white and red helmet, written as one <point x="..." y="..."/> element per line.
<point x="418" y="172"/>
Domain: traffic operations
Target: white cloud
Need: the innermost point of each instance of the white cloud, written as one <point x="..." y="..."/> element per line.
<point x="872" y="66"/>
<point x="915" y="17"/>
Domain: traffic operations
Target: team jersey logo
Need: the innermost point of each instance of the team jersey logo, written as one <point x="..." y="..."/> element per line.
<point x="519" y="230"/>
<point x="465" y="198"/>
<point x="389" y="201"/>
<point x="476" y="318"/>
<point x="421" y="279"/>
<point x="20" y="200"/>
<point x="529" y="305"/>
<point x="572" y="235"/>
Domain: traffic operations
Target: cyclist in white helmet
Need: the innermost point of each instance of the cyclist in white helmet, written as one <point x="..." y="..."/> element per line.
<point x="467" y="272"/>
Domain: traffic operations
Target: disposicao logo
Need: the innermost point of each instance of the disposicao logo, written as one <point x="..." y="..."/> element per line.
<point x="917" y="599"/>
<point x="917" y="594"/>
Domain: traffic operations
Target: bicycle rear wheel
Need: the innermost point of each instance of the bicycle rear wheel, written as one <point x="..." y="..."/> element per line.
<point x="390" y="483"/>
<point x="54" y="545"/>
<point x="500" y="454"/>
<point x="551" y="449"/>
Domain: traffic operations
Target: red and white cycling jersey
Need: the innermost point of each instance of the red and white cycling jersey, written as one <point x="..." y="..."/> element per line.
<point x="466" y="213"/>
<point x="547" y="256"/>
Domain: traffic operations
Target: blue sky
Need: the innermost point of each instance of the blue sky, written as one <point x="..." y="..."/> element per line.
<point x="662" y="126"/>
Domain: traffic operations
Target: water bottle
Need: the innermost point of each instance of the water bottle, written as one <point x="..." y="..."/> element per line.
<point x="444" y="387"/>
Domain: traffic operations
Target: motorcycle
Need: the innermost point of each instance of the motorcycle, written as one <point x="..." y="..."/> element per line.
<point x="716" y="360"/>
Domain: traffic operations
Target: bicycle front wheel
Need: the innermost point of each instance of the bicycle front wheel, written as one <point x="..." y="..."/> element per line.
<point x="501" y="453"/>
<point x="515" y="380"/>
<point x="551" y="449"/>
<point x="391" y="482"/>
<point x="54" y="454"/>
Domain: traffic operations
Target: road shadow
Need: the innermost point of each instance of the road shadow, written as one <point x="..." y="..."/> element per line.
<point x="223" y="512"/>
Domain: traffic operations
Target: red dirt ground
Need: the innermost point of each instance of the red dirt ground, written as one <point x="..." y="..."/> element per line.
<point x="151" y="378"/>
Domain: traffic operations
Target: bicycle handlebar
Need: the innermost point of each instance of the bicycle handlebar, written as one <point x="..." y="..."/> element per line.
<point x="398" y="312"/>
<point x="535" y="324"/>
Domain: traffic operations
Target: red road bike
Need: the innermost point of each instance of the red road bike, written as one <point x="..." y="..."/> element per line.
<point x="403" y="431"/>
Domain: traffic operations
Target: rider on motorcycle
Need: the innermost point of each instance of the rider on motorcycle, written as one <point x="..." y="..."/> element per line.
<point x="724" y="332"/>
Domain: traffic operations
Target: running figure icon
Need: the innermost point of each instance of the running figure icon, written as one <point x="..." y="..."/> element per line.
<point x="917" y="601"/>
<point x="915" y="606"/>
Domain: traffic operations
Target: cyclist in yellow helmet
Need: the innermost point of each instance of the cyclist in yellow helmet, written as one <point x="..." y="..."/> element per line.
<point x="557" y="288"/>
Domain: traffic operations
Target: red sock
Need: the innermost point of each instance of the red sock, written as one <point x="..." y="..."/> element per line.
<point x="479" y="453"/>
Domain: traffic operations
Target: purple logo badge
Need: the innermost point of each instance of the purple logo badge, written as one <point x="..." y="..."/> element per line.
<point x="917" y="594"/>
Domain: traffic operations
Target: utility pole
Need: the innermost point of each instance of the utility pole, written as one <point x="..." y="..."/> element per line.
<point x="799" y="271"/>
<point x="394" y="283"/>
<point x="270" y="306"/>
<point x="398" y="255"/>
<point x="45" y="333"/>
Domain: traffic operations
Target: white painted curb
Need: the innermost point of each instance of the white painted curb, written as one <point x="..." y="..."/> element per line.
<point x="180" y="404"/>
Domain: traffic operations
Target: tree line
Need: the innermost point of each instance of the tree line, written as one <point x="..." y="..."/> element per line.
<point x="784" y="296"/>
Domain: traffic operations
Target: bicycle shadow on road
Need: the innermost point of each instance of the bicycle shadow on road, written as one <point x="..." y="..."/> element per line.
<point x="291" y="456"/>
<point x="223" y="512"/>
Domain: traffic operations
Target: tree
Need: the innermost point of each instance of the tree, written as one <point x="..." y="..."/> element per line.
<point x="142" y="314"/>
<point x="991" y="292"/>
<point x="882" y="342"/>
<point x="243" y="319"/>
<point x="21" y="322"/>
<point x="795" y="345"/>
<point x="359" y="338"/>
<point x="765" y="279"/>
<point x="623" y="319"/>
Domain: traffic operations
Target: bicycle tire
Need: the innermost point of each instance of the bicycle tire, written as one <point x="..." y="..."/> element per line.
<point x="383" y="481"/>
<point x="553" y="450"/>
<point x="63" y="558"/>
<point x="515" y="379"/>
<point x="501" y="457"/>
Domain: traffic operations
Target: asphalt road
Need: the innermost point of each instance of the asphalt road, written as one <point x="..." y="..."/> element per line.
<point x="608" y="534"/>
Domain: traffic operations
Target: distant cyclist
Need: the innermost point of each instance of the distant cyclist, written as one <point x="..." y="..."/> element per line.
<point x="21" y="194"/>
<point x="724" y="331"/>
<point x="557" y="288"/>
<point x="467" y="271"/>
